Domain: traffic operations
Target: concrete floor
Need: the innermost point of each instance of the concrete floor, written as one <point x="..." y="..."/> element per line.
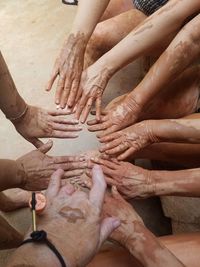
<point x="32" y="33"/>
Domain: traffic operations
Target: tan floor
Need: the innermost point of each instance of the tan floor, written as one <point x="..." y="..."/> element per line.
<point x="31" y="35"/>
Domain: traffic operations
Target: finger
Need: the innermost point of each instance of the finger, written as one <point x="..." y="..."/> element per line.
<point x="99" y="127"/>
<point x="109" y="137"/>
<point x="111" y="181"/>
<point x="59" y="112"/>
<point x="65" y="121"/>
<point x="46" y="147"/>
<point x="86" y="110"/>
<point x="110" y="145"/>
<point x="64" y="97"/>
<point x="104" y="162"/>
<point x="97" y="192"/>
<point x="73" y="173"/>
<point x="109" y="130"/>
<point x="67" y="190"/>
<point x="116" y="194"/>
<point x="52" y="78"/>
<point x="126" y="154"/>
<point x="108" y="225"/>
<point x="71" y="166"/>
<point x="103" y="112"/>
<point x="81" y="106"/>
<point x="36" y="142"/>
<point x="54" y="184"/>
<point x="64" y="127"/>
<point x="59" y="88"/>
<point x="61" y="134"/>
<point x="98" y="108"/>
<point x="93" y="122"/>
<point x="63" y="159"/>
<point x="119" y="149"/>
<point x="73" y="92"/>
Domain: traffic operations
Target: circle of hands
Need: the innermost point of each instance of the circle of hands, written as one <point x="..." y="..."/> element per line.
<point x="93" y="213"/>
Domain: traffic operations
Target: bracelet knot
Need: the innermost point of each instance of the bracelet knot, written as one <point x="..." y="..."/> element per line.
<point x="39" y="236"/>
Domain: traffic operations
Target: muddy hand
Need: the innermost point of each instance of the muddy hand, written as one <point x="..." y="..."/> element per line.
<point x="91" y="88"/>
<point x="68" y="68"/>
<point x="40" y="123"/>
<point x="35" y="168"/>
<point x="121" y="114"/>
<point x="130" y="140"/>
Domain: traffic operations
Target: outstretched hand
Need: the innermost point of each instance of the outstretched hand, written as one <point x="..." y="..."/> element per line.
<point x="115" y="205"/>
<point x="35" y="168"/>
<point x="131" y="181"/>
<point x="75" y="218"/>
<point x="117" y="115"/>
<point x="91" y="88"/>
<point x="129" y="141"/>
<point x="39" y="123"/>
<point x="68" y="66"/>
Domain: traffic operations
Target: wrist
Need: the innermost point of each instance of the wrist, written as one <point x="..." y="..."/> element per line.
<point x="17" y="111"/>
<point x="21" y="174"/>
<point x="10" y="177"/>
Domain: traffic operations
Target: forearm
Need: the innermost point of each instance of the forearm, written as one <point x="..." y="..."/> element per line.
<point x="11" y="103"/>
<point x="176" y="130"/>
<point x="150" y="33"/>
<point x="171" y="63"/>
<point x="176" y="183"/>
<point x="148" y="250"/>
<point x="10" y="174"/>
<point x="88" y="15"/>
<point x="184" y="154"/>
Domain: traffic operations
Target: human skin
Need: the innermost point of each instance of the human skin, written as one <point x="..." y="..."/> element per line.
<point x="135" y="182"/>
<point x="71" y="215"/>
<point x="32" y="122"/>
<point x="10" y="238"/>
<point x="33" y="170"/>
<point x="149" y="33"/>
<point x="184" y="247"/>
<point x="126" y="142"/>
<point x="135" y="237"/>
<point x="69" y="64"/>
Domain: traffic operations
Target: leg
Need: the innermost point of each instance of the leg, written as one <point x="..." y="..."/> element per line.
<point x="108" y="33"/>
<point x="185" y="247"/>
<point x="116" y="7"/>
<point x="13" y="199"/>
<point x="178" y="99"/>
<point x="10" y="238"/>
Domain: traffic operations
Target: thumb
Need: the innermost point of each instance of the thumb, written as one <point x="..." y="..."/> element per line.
<point x="46" y="147"/>
<point x="36" y="142"/>
<point x="108" y="225"/>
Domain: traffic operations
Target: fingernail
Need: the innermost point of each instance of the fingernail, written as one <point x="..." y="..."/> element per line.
<point x="58" y="106"/>
<point x="76" y="121"/>
<point x="80" y="127"/>
<point x="116" y="223"/>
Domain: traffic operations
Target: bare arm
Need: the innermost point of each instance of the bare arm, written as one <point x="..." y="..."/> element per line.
<point x="69" y="64"/>
<point x="135" y="237"/>
<point x="11" y="103"/>
<point x="150" y="33"/>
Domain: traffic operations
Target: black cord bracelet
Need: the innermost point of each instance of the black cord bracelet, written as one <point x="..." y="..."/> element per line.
<point x="41" y="237"/>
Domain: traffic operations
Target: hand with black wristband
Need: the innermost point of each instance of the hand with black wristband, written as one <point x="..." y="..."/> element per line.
<point x="72" y="223"/>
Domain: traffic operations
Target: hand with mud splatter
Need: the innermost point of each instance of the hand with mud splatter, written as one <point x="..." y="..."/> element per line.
<point x="131" y="181"/>
<point x="68" y="67"/>
<point x="91" y="88"/>
<point x="115" y="205"/>
<point x="40" y="123"/>
<point x="117" y="115"/>
<point x="72" y="222"/>
<point x="135" y="237"/>
<point x="35" y="168"/>
<point x="130" y="140"/>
